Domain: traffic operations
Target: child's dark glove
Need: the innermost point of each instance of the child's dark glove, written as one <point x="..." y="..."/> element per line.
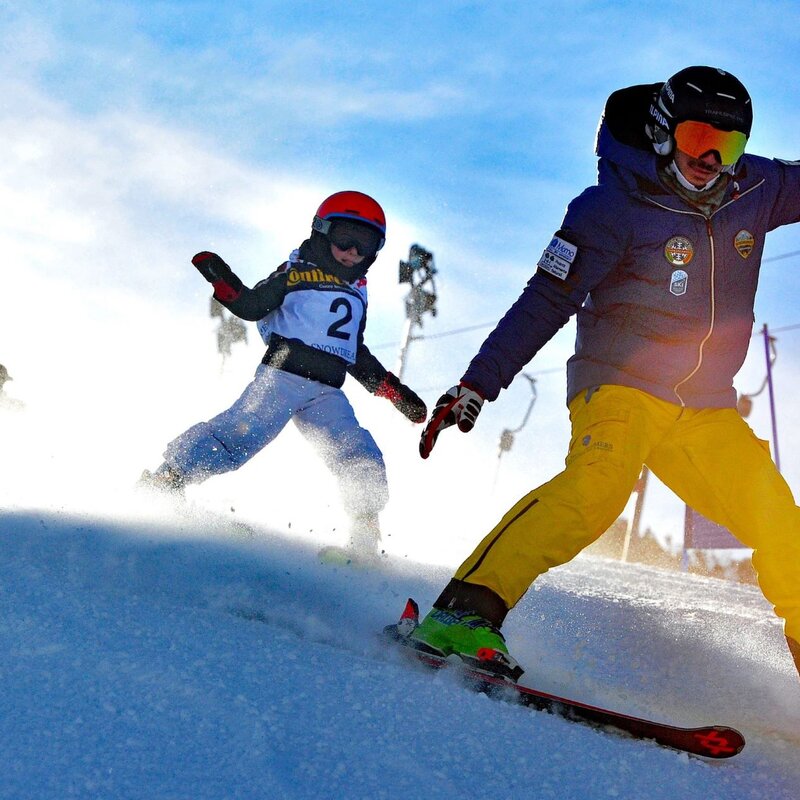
<point x="460" y="406"/>
<point x="402" y="398"/>
<point x="227" y="286"/>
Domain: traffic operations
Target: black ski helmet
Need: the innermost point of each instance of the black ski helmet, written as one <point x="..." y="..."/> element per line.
<point x="700" y="94"/>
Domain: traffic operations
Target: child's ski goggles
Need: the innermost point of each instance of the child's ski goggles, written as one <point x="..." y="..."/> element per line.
<point x="345" y="235"/>
<point x="698" y="138"/>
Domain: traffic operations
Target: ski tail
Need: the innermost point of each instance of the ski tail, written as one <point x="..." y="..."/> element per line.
<point x="406" y="625"/>
<point x="409" y="619"/>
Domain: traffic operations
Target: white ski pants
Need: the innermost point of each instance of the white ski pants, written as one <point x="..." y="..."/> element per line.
<point x="321" y="413"/>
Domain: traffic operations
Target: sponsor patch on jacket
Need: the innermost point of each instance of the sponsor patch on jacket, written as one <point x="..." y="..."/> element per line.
<point x="744" y="242"/>
<point x="313" y="275"/>
<point x="557" y="257"/>
<point x="679" y="250"/>
<point x="678" y="282"/>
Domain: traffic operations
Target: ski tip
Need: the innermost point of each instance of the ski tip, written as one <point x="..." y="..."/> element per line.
<point x="719" y="741"/>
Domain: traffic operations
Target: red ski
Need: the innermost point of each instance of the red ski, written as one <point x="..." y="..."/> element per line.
<point x="710" y="741"/>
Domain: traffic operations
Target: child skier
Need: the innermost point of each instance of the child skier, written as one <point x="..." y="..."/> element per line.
<point x="311" y="313"/>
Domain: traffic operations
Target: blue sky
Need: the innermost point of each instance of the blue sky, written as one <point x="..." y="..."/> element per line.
<point x="476" y="119"/>
<point x="136" y="133"/>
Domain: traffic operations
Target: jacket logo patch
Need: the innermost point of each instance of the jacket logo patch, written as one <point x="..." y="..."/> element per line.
<point x="679" y="250"/>
<point x="744" y="242"/>
<point x="558" y="257"/>
<point x="678" y="282"/>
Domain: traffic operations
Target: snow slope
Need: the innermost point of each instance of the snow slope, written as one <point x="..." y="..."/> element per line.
<point x="125" y="674"/>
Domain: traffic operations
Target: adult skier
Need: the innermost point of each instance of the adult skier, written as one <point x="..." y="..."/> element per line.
<point x="660" y="263"/>
<point x="311" y="313"/>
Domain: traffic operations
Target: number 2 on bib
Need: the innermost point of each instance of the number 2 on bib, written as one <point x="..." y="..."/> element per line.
<point x="334" y="330"/>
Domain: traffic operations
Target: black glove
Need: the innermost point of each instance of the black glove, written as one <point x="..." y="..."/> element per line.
<point x="227" y="286"/>
<point x="402" y="398"/>
<point x="460" y="406"/>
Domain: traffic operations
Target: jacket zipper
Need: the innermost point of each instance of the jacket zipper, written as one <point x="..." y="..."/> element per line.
<point x="713" y="298"/>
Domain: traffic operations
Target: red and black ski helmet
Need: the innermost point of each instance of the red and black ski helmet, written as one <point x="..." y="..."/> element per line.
<point x="354" y="207"/>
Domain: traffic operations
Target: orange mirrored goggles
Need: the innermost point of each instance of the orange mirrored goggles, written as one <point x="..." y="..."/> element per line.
<point x="698" y="138"/>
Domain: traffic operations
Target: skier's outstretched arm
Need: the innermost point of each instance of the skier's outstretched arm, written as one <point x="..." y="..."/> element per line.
<point x="249" y="304"/>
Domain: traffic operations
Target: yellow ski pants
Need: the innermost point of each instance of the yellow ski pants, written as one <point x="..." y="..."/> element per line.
<point x="709" y="457"/>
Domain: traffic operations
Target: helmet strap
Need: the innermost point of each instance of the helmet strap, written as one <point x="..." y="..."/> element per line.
<point x="673" y="168"/>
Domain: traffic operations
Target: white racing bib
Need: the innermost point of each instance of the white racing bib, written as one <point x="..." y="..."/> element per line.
<point x="321" y="311"/>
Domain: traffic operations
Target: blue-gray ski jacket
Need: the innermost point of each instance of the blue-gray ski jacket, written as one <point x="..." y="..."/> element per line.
<point x="664" y="295"/>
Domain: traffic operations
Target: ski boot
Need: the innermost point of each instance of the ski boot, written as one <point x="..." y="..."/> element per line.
<point x="477" y="642"/>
